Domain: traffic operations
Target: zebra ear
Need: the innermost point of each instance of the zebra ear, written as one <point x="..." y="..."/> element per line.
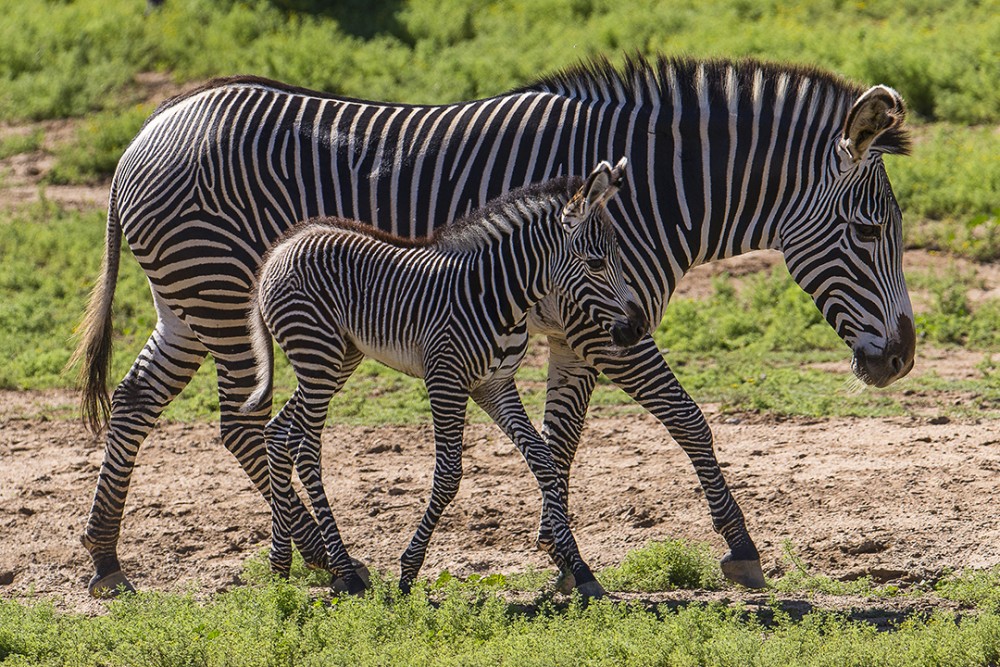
<point x="602" y="183"/>
<point x="878" y="110"/>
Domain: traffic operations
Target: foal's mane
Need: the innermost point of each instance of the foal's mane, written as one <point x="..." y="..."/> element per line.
<point x="453" y="235"/>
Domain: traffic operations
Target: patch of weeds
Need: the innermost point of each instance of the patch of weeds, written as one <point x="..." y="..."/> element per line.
<point x="664" y="566"/>
<point x="17" y="144"/>
<point x="257" y="571"/>
<point x="951" y="318"/>
<point x="975" y="588"/>
<point x="799" y="579"/>
<point x="99" y="143"/>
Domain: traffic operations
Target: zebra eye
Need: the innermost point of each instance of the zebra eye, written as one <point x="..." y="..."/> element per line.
<point x="595" y="263"/>
<point x="868" y="232"/>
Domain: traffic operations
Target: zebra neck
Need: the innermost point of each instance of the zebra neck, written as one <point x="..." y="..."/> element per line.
<point x="508" y="276"/>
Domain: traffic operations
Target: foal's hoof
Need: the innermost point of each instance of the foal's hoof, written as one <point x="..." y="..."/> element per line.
<point x="110" y="585"/>
<point x="744" y="572"/>
<point x="565" y="583"/>
<point x="592" y="590"/>
<point x="356" y="584"/>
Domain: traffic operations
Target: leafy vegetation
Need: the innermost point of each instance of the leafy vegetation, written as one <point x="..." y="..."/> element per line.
<point x="471" y="622"/>
<point x="79" y="57"/>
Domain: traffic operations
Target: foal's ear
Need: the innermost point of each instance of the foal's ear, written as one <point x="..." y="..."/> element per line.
<point x="878" y="110"/>
<point x="600" y="186"/>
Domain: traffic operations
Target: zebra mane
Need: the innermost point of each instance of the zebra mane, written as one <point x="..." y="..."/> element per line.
<point x="463" y="234"/>
<point x="640" y="79"/>
<point x="472" y="230"/>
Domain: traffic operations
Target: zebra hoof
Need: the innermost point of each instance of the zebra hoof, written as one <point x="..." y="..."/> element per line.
<point x="342" y="585"/>
<point x="592" y="590"/>
<point x="565" y="583"/>
<point x="110" y="585"/>
<point x="743" y="572"/>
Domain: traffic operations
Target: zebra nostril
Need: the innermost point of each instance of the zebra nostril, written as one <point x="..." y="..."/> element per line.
<point x="897" y="364"/>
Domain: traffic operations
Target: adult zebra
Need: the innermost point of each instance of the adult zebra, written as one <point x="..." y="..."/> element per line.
<point x="724" y="157"/>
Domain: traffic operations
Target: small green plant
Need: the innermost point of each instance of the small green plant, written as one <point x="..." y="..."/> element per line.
<point x="976" y="588"/>
<point x="664" y="566"/>
<point x="98" y="146"/>
<point x="799" y="579"/>
<point x="15" y="144"/>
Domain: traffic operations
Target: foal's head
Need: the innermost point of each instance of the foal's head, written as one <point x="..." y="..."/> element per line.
<point x="589" y="273"/>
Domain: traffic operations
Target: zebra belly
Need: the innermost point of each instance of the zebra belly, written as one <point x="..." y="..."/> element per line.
<point x="407" y="359"/>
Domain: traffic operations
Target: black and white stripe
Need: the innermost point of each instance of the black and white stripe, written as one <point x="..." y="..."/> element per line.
<point x="452" y="311"/>
<point x="724" y="157"/>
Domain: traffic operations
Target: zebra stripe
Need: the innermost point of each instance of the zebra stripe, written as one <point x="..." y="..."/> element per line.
<point x="724" y="157"/>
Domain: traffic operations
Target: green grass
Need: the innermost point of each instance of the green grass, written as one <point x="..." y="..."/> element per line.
<point x="75" y="58"/>
<point x="472" y="622"/>
<point x="15" y="144"/>
<point x="100" y="141"/>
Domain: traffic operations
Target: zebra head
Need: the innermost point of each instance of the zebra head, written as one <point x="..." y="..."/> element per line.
<point x="589" y="273"/>
<point x="849" y="255"/>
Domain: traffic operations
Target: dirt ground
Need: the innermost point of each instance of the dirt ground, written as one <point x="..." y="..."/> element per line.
<point x="903" y="499"/>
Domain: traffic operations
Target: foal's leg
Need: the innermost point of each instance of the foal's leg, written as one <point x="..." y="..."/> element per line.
<point x="323" y="376"/>
<point x="280" y="461"/>
<point x="448" y="405"/>
<point x="502" y="402"/>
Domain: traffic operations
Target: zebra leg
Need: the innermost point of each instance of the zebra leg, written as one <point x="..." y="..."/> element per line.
<point x="568" y="390"/>
<point x="448" y="406"/>
<point x="644" y="375"/>
<point x="312" y="401"/>
<point x="279" y="472"/>
<point x="169" y="360"/>
<point x="501" y="402"/>
<point x="243" y="436"/>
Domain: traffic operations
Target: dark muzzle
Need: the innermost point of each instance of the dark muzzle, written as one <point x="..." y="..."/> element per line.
<point x="628" y="331"/>
<point x="893" y="362"/>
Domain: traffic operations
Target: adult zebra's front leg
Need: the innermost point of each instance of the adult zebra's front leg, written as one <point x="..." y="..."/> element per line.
<point x="644" y="375"/>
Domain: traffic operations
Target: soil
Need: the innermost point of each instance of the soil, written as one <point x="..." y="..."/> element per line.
<point x="903" y="500"/>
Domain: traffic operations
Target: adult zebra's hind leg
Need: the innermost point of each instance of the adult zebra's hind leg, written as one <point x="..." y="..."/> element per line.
<point x="243" y="436"/>
<point x="645" y="376"/>
<point x="166" y="364"/>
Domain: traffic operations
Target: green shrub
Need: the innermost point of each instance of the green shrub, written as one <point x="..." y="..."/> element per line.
<point x="664" y="566"/>
<point x="99" y="143"/>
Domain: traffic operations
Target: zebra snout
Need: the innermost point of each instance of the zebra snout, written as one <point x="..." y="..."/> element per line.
<point x="627" y="332"/>
<point x="883" y="367"/>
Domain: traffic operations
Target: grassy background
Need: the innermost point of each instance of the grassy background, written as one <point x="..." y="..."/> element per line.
<point x="754" y="344"/>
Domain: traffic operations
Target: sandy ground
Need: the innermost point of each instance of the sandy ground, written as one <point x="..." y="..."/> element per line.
<point x="904" y="499"/>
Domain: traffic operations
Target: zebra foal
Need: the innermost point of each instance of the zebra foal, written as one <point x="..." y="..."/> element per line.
<point x="452" y="310"/>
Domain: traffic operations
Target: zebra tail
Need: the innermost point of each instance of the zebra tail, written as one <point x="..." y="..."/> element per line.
<point x="94" y="347"/>
<point x="263" y="352"/>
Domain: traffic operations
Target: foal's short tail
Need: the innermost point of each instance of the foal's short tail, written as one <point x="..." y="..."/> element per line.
<point x="263" y="352"/>
<point x="94" y="346"/>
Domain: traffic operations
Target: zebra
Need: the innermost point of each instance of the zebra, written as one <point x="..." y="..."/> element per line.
<point x="724" y="157"/>
<point x="452" y="310"/>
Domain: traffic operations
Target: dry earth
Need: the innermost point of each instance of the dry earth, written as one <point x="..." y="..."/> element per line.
<point x="897" y="499"/>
